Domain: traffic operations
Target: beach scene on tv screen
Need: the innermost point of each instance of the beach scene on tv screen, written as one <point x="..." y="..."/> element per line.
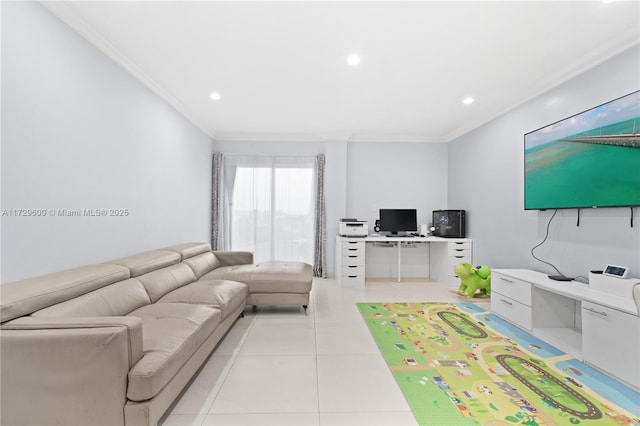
<point x="589" y="160"/>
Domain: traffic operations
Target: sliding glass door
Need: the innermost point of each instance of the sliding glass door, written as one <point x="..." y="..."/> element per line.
<point x="268" y="207"/>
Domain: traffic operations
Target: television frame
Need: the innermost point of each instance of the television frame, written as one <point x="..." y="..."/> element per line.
<point x="391" y="220"/>
<point x="580" y="125"/>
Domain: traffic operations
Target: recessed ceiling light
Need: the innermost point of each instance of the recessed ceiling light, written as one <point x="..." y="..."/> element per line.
<point x="468" y="100"/>
<point x="353" y="60"/>
<point x="215" y="96"/>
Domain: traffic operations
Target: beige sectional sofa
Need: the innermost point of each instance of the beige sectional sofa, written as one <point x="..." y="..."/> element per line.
<point x="115" y="343"/>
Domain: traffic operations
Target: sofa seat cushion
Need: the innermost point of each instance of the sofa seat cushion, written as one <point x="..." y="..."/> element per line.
<point x="224" y="295"/>
<point x="268" y="277"/>
<point x="171" y="333"/>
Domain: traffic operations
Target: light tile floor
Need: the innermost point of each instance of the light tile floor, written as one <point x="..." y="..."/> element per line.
<point x="277" y="366"/>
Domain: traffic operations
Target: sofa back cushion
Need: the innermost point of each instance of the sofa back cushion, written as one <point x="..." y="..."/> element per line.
<point x="148" y="261"/>
<point x="188" y="250"/>
<point x="202" y="263"/>
<point x="160" y="282"/>
<point x="26" y="296"/>
<point x="113" y="300"/>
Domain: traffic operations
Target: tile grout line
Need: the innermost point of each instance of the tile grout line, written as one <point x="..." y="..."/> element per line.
<point x="225" y="372"/>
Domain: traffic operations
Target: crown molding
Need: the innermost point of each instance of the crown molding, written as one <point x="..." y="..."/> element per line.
<point x="396" y="138"/>
<point x="327" y="137"/>
<point x="280" y="137"/>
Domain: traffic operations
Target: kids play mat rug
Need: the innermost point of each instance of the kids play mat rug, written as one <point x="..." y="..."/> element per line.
<point x="457" y="364"/>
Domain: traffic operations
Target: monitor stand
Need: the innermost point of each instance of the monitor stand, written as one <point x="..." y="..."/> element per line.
<point x="397" y="234"/>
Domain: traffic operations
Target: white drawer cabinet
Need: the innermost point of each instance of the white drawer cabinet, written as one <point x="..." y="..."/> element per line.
<point x="350" y="262"/>
<point x="611" y="341"/>
<point x="511" y="299"/>
<point x="445" y="257"/>
<point x="599" y="328"/>
<point x="458" y="251"/>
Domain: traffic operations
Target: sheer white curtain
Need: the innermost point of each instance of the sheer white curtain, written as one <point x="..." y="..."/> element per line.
<point x="268" y="207"/>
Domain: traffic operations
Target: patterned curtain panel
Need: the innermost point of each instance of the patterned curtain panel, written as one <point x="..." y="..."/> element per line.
<point x="216" y="188"/>
<point x="320" y="249"/>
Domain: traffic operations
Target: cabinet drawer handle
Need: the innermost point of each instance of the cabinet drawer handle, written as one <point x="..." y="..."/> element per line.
<point x="507" y="302"/>
<point x="352" y="276"/>
<point x="506" y="280"/>
<point x="604" y="314"/>
<point x="353" y="257"/>
<point x="352" y="266"/>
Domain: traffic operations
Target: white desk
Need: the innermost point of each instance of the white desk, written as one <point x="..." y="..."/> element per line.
<point x="398" y="241"/>
<point x="443" y="255"/>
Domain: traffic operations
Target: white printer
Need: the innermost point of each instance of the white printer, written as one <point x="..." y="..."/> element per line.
<point x="353" y="228"/>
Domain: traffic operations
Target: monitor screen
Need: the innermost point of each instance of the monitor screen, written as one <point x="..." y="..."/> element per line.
<point x="398" y="220"/>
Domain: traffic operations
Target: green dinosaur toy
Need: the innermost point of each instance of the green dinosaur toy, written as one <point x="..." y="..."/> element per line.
<point x="473" y="279"/>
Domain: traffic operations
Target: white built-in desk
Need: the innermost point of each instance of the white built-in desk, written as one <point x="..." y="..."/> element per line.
<point x="597" y="323"/>
<point x="442" y="256"/>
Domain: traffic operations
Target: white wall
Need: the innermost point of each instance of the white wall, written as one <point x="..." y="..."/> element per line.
<point x="78" y="132"/>
<point x="490" y="187"/>
<point x="396" y="176"/>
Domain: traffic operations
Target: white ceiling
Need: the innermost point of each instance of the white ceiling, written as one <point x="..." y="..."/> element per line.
<point x="281" y="70"/>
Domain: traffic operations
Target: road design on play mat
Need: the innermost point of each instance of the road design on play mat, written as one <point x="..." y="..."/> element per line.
<point x="454" y="368"/>
<point x="591" y="412"/>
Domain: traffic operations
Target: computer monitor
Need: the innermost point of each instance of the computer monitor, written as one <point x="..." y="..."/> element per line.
<point x="398" y="221"/>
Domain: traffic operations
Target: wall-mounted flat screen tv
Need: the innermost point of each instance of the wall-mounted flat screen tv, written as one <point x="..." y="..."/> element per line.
<point x="591" y="159"/>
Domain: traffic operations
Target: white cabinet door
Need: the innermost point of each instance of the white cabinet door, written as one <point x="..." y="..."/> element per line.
<point x="611" y="341"/>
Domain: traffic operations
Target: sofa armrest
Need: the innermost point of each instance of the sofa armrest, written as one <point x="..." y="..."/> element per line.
<point x="61" y="371"/>
<point x="132" y="325"/>
<point x="230" y="258"/>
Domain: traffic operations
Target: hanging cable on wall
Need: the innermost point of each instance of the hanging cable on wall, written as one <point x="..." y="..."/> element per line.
<point x="560" y="275"/>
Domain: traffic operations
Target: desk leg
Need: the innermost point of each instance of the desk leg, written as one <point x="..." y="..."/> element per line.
<point x="399" y="260"/>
